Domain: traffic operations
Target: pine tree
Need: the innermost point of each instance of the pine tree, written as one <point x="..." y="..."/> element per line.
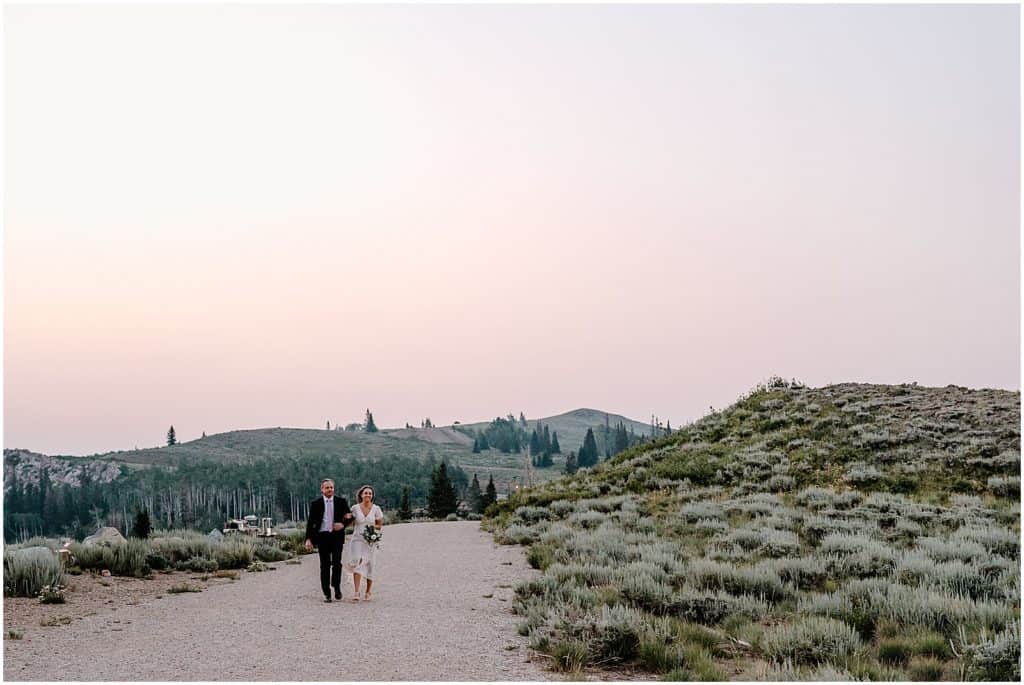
<point x="668" y="427"/>
<point x="476" y="496"/>
<point x="441" y="501"/>
<point x="621" y="438"/>
<point x="204" y="434"/>
<point x="404" y="508"/>
<point x="522" y="419"/>
<point x="534" y="444"/>
<point x="171" y="439"/>
<point x="546" y="440"/>
<point x="371" y="427"/>
<point x="476" y="445"/>
<point x="328" y="424"/>
<point x="570" y="463"/>
<point x="588" y="452"/>
<point x="555" y="447"/>
<point x="545" y="460"/>
<point x="484" y="445"/>
<point x="490" y="493"/>
<point x="142" y="526"/>
<point x="607" y="438"/>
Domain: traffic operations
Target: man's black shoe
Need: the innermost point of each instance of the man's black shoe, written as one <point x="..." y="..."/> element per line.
<point x="337" y="593"/>
<point x="327" y="598"/>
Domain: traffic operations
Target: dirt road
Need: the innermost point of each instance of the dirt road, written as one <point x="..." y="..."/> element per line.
<point x="441" y="611"/>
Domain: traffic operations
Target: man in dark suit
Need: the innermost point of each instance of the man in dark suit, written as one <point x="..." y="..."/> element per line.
<point x="328" y="516"/>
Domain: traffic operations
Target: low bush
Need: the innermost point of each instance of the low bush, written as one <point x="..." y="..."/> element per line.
<point x="810" y="640"/>
<point x="28" y="571"/>
<point x="196" y="565"/>
<point x="265" y="551"/>
<point x="995" y="657"/>
<point x="122" y="559"/>
<point x="925" y="669"/>
<point x="530" y="515"/>
<point x="540" y="556"/>
<point x="895" y="650"/>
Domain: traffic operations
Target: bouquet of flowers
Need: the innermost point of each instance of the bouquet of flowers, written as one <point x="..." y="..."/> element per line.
<point x="372" y="536"/>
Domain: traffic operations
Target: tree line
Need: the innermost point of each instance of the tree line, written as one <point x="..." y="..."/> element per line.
<point x="202" y="494"/>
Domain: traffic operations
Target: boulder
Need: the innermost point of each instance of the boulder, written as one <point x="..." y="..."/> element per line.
<point x="105" y="536"/>
<point x="215" y="535"/>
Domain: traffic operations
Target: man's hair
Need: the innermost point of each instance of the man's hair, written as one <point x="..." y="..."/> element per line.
<point x="326" y="480"/>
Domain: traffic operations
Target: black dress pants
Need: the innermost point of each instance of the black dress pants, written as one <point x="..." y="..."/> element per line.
<point x="329" y="546"/>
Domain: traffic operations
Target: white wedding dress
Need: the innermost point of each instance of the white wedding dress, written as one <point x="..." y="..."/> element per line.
<point x="358" y="556"/>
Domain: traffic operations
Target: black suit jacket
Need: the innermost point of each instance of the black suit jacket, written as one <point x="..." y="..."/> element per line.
<point x="342" y="514"/>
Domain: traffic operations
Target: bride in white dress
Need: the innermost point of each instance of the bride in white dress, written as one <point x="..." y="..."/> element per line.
<point x="360" y="554"/>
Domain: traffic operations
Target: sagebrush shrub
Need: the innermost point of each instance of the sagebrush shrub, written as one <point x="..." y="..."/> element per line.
<point x="759" y="581"/>
<point x="28" y="571"/>
<point x="810" y="640"/>
<point x="530" y="515"/>
<point x="995" y="657"/>
<point x="234" y="552"/>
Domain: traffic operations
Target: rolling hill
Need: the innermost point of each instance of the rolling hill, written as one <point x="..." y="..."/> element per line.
<point x="848" y="532"/>
<point x="572" y="426"/>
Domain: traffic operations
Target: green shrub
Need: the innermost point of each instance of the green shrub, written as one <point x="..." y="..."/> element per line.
<point x="293" y="541"/>
<point x="197" y="565"/>
<point x="28" y="571"/>
<point x="995" y="657"/>
<point x="895" y="650"/>
<point x="540" y="556"/>
<point x="712" y="606"/>
<point x="233" y="552"/>
<point x="930" y="644"/>
<point x="648" y="592"/>
<point x="121" y="559"/>
<point x="658" y="656"/>
<point x="157" y="562"/>
<point x="617" y="632"/>
<point x="530" y="515"/>
<point x="570" y="655"/>
<point x="518" y="534"/>
<point x="925" y="669"/>
<point x="183" y="587"/>
<point x="268" y="551"/>
<point x="810" y="640"/>
<point x="759" y="581"/>
<point x="699" y="664"/>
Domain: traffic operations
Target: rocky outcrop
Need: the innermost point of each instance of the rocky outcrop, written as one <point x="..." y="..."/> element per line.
<point x="26" y="467"/>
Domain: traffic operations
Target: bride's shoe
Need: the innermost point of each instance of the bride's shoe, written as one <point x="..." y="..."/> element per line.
<point x="355" y="597"/>
<point x="367" y="597"/>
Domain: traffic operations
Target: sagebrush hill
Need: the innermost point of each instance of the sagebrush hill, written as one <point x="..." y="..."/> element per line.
<point x="846" y="532"/>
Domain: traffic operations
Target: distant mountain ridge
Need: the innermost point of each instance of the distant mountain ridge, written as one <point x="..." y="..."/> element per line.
<point x="572" y="425"/>
<point x="250" y="445"/>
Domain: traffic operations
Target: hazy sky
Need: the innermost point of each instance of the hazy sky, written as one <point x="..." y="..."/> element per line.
<point x="229" y="217"/>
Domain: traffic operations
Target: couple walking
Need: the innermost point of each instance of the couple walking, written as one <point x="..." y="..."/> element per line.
<point x="325" y="528"/>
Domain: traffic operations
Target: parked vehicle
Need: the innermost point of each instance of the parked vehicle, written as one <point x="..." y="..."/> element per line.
<point x="251" y="525"/>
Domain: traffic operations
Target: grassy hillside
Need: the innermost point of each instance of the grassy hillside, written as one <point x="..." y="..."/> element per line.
<point x="572" y="426"/>
<point x="851" y="531"/>
<point x="247" y="445"/>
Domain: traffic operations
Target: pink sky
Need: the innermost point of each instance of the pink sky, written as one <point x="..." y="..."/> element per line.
<point x="225" y="217"/>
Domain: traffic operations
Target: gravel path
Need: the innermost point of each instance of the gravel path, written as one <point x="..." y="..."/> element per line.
<point x="441" y="611"/>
